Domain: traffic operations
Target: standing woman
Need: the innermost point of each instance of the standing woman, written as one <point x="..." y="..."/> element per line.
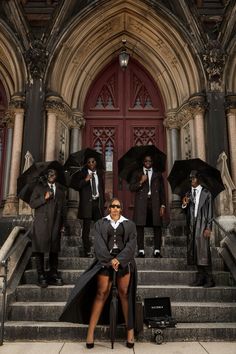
<point x="89" y="300"/>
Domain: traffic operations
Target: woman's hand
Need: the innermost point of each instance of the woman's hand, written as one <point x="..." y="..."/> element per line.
<point x="115" y="264"/>
<point x="207" y="233"/>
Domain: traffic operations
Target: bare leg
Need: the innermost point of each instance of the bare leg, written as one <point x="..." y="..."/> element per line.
<point x="103" y="290"/>
<point x="123" y="286"/>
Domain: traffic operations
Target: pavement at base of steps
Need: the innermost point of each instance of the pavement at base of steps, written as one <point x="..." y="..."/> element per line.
<point x="119" y="347"/>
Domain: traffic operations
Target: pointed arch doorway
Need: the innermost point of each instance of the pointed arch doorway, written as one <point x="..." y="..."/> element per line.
<point x="123" y="108"/>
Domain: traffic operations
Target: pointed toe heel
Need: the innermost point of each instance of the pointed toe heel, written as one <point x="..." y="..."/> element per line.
<point x="89" y="345"/>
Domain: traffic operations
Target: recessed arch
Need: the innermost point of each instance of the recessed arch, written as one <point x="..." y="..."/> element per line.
<point x="12" y="68"/>
<point x="94" y="39"/>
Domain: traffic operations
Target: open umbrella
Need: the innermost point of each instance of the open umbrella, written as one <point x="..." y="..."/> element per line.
<point x="77" y="160"/>
<point x="209" y="176"/>
<point x="113" y="310"/>
<point x="27" y="181"/>
<point x="132" y="160"/>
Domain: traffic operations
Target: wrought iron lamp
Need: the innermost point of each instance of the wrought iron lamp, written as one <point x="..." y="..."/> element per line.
<point x="123" y="56"/>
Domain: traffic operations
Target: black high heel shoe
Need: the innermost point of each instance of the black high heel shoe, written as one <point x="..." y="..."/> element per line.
<point x="129" y="345"/>
<point x="89" y="345"/>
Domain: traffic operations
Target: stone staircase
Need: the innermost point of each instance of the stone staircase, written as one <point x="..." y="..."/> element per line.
<point x="202" y="314"/>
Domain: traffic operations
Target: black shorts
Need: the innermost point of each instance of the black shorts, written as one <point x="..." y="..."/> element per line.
<point x="109" y="271"/>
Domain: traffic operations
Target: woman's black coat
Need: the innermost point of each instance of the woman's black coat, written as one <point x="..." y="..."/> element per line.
<point x="49" y="218"/>
<point x="79" y="304"/>
<point x="141" y="197"/>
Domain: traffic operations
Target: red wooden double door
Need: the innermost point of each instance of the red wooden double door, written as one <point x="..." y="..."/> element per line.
<point x="123" y="108"/>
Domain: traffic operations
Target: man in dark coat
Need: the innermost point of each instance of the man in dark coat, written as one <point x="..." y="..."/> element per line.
<point x="79" y="305"/>
<point x="48" y="200"/>
<point x="149" y="205"/>
<point x="91" y="204"/>
<point x="199" y="211"/>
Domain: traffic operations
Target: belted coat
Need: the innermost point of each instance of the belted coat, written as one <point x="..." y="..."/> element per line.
<point x="141" y="197"/>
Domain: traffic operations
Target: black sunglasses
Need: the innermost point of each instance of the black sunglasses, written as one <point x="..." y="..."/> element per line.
<point x="115" y="206"/>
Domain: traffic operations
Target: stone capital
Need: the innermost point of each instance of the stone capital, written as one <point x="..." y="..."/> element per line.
<point x="230" y="104"/>
<point x="197" y="105"/>
<point x="8" y="118"/>
<point x="78" y="120"/>
<point x="171" y="121"/>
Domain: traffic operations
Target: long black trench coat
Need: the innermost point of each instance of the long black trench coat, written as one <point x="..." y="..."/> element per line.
<point x="85" y="194"/>
<point x="198" y="246"/>
<point x="49" y="219"/>
<point x="141" y="197"/>
<point x="79" y="304"/>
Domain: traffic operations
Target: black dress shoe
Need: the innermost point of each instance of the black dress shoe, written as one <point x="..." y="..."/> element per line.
<point x="89" y="345"/>
<point x="55" y="279"/>
<point x="198" y="282"/>
<point x="157" y="255"/>
<point x="129" y="345"/>
<point x="88" y="255"/>
<point x="42" y="281"/>
<point x="141" y="255"/>
<point x="209" y="284"/>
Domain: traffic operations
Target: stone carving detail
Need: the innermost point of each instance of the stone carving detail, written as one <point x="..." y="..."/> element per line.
<point x="8" y="119"/>
<point x="36" y="59"/>
<point x="213" y="62"/>
<point x="187" y="142"/>
<point x="78" y="122"/>
<point x="224" y="201"/>
<point x="141" y="96"/>
<point x="107" y="96"/>
<point x="24" y="208"/>
<point x="230" y="102"/>
<point x="144" y="136"/>
<point x="56" y="106"/>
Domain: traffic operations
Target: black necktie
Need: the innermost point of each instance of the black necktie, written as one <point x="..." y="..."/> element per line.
<point x="52" y="190"/>
<point x="194" y="195"/>
<point x="94" y="187"/>
<point x="148" y="181"/>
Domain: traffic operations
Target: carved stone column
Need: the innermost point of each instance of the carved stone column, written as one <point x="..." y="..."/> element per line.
<point x="11" y="205"/>
<point x="198" y="110"/>
<point x="9" y="120"/>
<point x="50" y="151"/>
<point x="75" y="145"/>
<point x="172" y="124"/>
<point x="231" y="122"/>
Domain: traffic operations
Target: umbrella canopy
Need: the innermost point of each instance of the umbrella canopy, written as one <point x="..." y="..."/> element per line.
<point x="27" y="181"/>
<point x="113" y="310"/>
<point x="77" y="160"/>
<point x="132" y="160"/>
<point x="209" y="176"/>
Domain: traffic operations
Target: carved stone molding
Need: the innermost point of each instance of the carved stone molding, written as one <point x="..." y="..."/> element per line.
<point x="36" y="59"/>
<point x="230" y="104"/>
<point x="214" y="62"/>
<point x="8" y="118"/>
<point x="171" y="121"/>
<point x="78" y="121"/>
<point x="198" y="105"/>
<point x="17" y="102"/>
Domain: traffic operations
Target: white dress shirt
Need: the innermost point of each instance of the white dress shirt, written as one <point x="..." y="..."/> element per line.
<point x="150" y="171"/>
<point x="96" y="181"/>
<point x="116" y="223"/>
<point x="198" y="193"/>
<point x="53" y="186"/>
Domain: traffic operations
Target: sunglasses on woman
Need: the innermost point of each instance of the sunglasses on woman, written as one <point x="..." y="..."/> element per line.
<point x="115" y="206"/>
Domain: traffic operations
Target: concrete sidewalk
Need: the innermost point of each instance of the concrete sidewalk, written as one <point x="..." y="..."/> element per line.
<point x="104" y="347"/>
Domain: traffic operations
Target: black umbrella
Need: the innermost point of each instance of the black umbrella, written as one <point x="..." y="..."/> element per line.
<point x="27" y="181"/>
<point x="209" y="176"/>
<point x="77" y="160"/>
<point x="113" y="310"/>
<point x="132" y="160"/>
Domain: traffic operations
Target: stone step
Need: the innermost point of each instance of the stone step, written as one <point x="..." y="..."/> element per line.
<point x="61" y="331"/>
<point x="174" y="292"/>
<point x="145" y="277"/>
<point x="192" y="312"/>
<point x="142" y="263"/>
<point x="166" y="251"/>
<point x="74" y="241"/>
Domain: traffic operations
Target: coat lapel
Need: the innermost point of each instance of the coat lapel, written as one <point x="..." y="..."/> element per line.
<point x="202" y="199"/>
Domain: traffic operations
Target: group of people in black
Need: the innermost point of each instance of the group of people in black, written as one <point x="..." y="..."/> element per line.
<point x="115" y="240"/>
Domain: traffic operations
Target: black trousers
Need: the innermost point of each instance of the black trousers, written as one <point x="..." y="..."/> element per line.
<point x="156" y="229"/>
<point x="96" y="215"/>
<point x="204" y="273"/>
<point x="53" y="262"/>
